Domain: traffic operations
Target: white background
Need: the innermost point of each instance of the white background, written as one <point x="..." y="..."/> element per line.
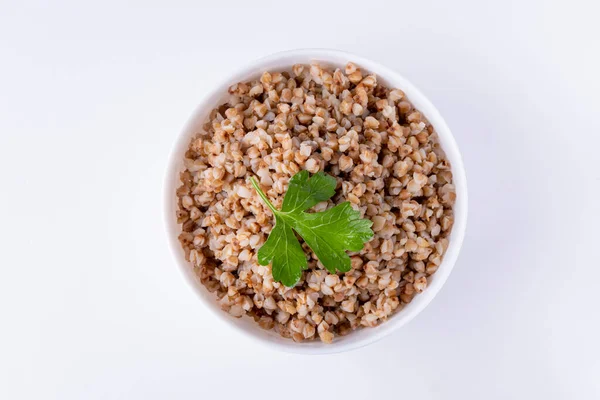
<point x="92" y="97"/>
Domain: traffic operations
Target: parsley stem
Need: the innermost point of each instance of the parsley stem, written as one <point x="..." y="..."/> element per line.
<point x="262" y="194"/>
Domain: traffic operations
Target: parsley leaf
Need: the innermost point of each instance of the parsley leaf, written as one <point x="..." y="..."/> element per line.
<point x="328" y="233"/>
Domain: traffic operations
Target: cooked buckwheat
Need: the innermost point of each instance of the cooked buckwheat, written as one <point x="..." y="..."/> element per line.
<point x="388" y="164"/>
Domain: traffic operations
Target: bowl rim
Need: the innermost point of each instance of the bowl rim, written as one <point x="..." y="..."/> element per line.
<point x="449" y="146"/>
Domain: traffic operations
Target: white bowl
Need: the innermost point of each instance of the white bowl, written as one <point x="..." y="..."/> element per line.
<point x="283" y="61"/>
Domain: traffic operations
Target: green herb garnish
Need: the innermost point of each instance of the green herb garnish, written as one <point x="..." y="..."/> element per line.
<point x="328" y="233"/>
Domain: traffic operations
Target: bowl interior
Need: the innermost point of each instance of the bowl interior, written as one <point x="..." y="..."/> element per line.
<point x="284" y="61"/>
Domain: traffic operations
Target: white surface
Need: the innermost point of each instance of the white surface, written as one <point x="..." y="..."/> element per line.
<point x="92" y="97"/>
<point x="283" y="61"/>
